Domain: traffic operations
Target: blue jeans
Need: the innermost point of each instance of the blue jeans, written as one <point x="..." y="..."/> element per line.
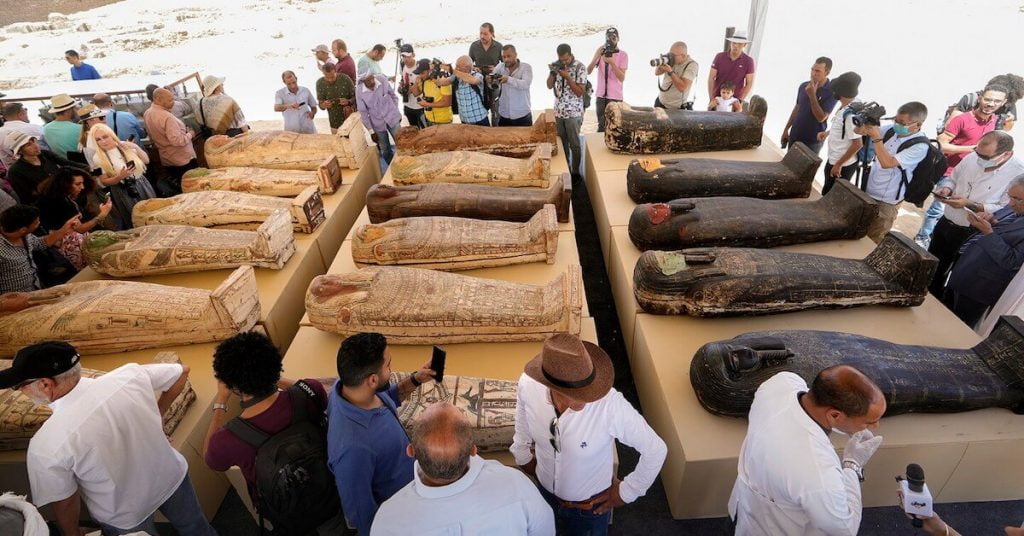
<point x="384" y="143"/>
<point x="576" y="522"/>
<point x="930" y="219"/>
<point x="181" y="509"/>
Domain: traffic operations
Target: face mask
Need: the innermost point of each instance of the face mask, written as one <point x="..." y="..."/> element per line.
<point x="900" y="130"/>
<point x="988" y="162"/>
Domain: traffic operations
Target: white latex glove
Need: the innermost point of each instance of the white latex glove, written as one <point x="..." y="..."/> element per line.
<point x="861" y="446"/>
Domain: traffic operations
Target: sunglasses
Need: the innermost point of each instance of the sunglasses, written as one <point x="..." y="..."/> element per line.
<point x="555" y="437"/>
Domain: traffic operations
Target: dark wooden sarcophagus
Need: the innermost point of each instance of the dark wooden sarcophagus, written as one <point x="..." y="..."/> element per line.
<point x="642" y="130"/>
<point x="385" y="202"/>
<point x="652" y="180"/>
<point x="744" y="281"/>
<point x="915" y="379"/>
<point x="844" y="213"/>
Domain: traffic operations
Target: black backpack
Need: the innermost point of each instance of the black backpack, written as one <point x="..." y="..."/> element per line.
<point x="294" y="486"/>
<point x="927" y="173"/>
<point x="476" y="89"/>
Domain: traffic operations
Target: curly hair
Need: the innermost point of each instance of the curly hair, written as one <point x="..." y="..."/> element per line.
<point x="1012" y="82"/>
<point x="59" y="185"/>
<point x="248" y="363"/>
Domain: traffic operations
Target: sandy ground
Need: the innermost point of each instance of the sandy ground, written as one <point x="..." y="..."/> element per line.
<point x="37" y="10"/>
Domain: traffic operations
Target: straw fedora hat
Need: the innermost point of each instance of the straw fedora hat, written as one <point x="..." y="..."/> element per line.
<point x="211" y="83"/>
<point x="90" y="111"/>
<point x="739" y="37"/>
<point x="575" y="368"/>
<point x="62" y="102"/>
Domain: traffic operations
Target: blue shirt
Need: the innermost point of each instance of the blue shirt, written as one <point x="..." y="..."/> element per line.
<point x="84" y="72"/>
<point x="125" y="124"/>
<point x="471" y="107"/>
<point x="366" y="454"/>
<point x="805" y="126"/>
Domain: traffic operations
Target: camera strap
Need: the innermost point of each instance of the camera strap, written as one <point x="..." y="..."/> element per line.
<point x="670" y="83"/>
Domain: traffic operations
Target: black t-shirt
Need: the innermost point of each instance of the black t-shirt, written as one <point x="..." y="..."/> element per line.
<point x="25" y="177"/>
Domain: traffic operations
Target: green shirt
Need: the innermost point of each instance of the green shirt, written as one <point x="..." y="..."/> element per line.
<point x="341" y="88"/>
<point x="62" y="136"/>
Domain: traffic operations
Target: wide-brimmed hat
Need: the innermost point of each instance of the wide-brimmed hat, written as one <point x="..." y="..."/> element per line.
<point x="575" y="368"/>
<point x="42" y="360"/>
<point x="739" y="37"/>
<point x="90" y="111"/>
<point x="16" y="140"/>
<point x="211" y="83"/>
<point x="846" y="85"/>
<point x="62" y="102"/>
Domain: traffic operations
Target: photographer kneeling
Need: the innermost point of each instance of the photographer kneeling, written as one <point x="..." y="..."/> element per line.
<point x="468" y="90"/>
<point x="678" y="71"/>
<point x="513" y="77"/>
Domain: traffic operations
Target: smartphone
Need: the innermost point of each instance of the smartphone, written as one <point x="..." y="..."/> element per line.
<point x="131" y="164"/>
<point x="131" y="138"/>
<point x="437" y="363"/>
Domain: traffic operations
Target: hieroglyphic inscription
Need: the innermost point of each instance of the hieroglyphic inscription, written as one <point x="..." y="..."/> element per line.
<point x="474" y="168"/>
<point x="233" y="210"/>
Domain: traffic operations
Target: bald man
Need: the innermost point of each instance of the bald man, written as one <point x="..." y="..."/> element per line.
<point x="791" y="481"/>
<point x="467" y="86"/>
<point x="173" y="141"/>
<point x="457" y="491"/>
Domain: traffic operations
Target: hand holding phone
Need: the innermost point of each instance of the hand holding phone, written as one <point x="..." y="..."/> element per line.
<point x="130" y="164"/>
<point x="437" y="363"/>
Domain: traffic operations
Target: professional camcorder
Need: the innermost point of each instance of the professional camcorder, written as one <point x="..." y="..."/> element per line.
<point x="869" y="113"/>
<point x="664" y="59"/>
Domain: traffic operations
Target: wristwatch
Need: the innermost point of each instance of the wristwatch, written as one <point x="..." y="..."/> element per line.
<point x="857" y="469"/>
<point x="415" y="382"/>
<point x="218" y="405"/>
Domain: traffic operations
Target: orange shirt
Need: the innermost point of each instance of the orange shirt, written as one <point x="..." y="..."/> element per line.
<point x="170" y="136"/>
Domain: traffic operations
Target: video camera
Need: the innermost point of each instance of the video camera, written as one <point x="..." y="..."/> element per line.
<point x="493" y="81"/>
<point x="664" y="59"/>
<point x="917" y="500"/>
<point x="867" y="113"/>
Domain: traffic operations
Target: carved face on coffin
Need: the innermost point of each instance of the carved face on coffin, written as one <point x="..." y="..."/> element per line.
<point x="345" y="291"/>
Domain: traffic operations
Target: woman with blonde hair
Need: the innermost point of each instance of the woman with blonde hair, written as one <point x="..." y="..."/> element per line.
<point x="89" y="115"/>
<point x="123" y="166"/>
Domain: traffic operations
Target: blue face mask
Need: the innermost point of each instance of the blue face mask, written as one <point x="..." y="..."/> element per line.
<point x="900" y="130"/>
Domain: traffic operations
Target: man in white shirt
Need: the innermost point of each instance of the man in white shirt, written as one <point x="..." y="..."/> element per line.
<point x="409" y="89"/>
<point x="978" y="184"/>
<point x="843" y="142"/>
<point x="16" y="119"/>
<point x="104" y="443"/>
<point x="890" y="166"/>
<point x="514" y="96"/>
<point x="454" y="491"/>
<point x="568" y="417"/>
<point x="297" y="104"/>
<point x="790" y="480"/>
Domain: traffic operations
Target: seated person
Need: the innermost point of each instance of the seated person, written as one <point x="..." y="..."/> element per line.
<point x="33" y="166"/>
<point x="59" y="201"/>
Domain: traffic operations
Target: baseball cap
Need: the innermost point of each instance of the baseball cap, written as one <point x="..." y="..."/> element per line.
<point x="41" y="360"/>
<point x="406" y="50"/>
<point x="322" y="48"/>
<point x="422" y="65"/>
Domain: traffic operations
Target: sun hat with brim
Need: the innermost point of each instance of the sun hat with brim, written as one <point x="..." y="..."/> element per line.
<point x="16" y="140"/>
<point x="90" y="111"/>
<point x="738" y="37"/>
<point x="577" y="369"/>
<point x="211" y="83"/>
<point x="41" y="360"/>
<point x="62" y="102"/>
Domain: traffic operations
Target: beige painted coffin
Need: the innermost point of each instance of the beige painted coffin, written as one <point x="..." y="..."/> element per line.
<point x="100" y="317"/>
<point x="469" y="167"/>
<point x="415" y="306"/>
<point x="278" y="149"/>
<point x="230" y="210"/>
<point x="20" y="418"/>
<point x="264" y="181"/>
<point x="451" y="244"/>
<point x="170" y="249"/>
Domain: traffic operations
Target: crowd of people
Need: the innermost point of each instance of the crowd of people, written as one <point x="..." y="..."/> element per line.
<point x="86" y="169"/>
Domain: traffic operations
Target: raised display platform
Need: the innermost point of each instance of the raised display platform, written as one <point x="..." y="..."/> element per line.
<point x="968" y="456"/>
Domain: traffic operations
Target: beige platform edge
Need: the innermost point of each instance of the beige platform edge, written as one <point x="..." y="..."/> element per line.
<point x="281" y="295"/>
<point x="968" y="456"/>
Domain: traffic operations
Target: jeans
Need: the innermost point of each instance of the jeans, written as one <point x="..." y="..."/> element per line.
<point x="384" y="144"/>
<point x="524" y="121"/>
<point x="846" y="173"/>
<point x="602" y="103"/>
<point x="574" y="521"/>
<point x="568" y="129"/>
<point x="485" y="122"/>
<point x="181" y="509"/>
<point x="930" y="219"/>
<point x="416" y="117"/>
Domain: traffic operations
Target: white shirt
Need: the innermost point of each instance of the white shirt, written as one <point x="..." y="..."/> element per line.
<point x="725" y="105"/>
<point x="106" y="439"/>
<point x="407" y="76"/>
<point x="514" y="101"/>
<point x="297" y="119"/>
<point x="838" y="143"/>
<point x="36" y="131"/>
<point x="886" y="185"/>
<point x="489" y="500"/>
<point x="583" y="467"/>
<point x="971" y="181"/>
<point x="790" y="479"/>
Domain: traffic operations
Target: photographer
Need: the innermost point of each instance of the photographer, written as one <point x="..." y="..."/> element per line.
<point x="408" y="88"/>
<point x="885" y="181"/>
<point x="568" y="79"/>
<point x="611" y="63"/>
<point x="468" y="92"/>
<point x="436" y="101"/>
<point x="514" y="78"/>
<point x="678" y="71"/>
